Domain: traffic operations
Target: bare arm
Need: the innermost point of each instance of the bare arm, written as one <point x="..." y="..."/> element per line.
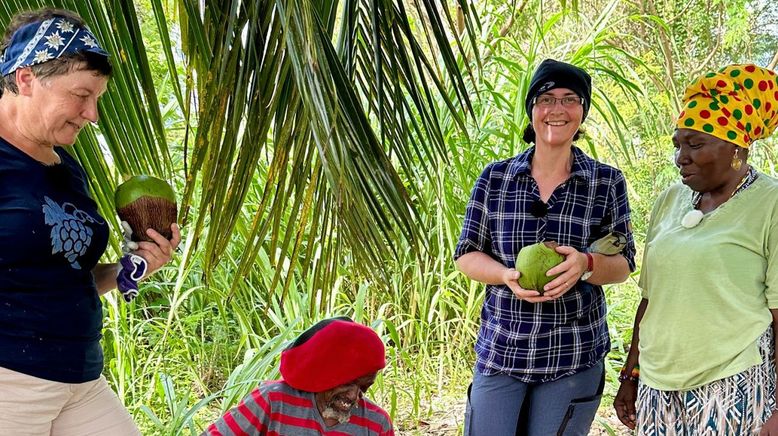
<point x="105" y="277"/>
<point x="481" y="267"/>
<point x="608" y="269"/>
<point x="625" y="400"/>
<point x="774" y="312"/>
<point x="770" y="427"/>
<point x="634" y="352"/>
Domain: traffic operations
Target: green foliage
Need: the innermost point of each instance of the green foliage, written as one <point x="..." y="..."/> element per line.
<point x="325" y="152"/>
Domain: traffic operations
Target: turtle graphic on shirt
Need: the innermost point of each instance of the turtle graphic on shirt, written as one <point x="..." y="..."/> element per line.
<point x="69" y="235"/>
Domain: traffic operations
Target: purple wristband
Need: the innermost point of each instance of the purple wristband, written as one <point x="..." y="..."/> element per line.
<point x="133" y="269"/>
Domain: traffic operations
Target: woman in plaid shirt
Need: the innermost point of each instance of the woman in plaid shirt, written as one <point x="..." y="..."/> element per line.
<point x="540" y="355"/>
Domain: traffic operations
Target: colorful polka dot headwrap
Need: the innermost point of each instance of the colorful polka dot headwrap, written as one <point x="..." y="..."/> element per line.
<point x="738" y="104"/>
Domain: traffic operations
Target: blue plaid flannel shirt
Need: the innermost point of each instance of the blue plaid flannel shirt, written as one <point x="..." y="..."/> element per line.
<point x="533" y="342"/>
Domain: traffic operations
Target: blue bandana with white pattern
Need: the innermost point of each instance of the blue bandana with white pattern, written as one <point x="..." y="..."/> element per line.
<point x="40" y="42"/>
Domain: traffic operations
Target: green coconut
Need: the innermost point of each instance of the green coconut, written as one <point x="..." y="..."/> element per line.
<point x="146" y="202"/>
<point x="534" y="261"/>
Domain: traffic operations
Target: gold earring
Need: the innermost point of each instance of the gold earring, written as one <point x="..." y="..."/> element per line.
<point x="736" y="161"/>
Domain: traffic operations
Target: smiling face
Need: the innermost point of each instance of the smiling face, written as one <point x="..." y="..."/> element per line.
<point x="704" y="160"/>
<point x="336" y="404"/>
<point x="556" y="124"/>
<point x="58" y="107"/>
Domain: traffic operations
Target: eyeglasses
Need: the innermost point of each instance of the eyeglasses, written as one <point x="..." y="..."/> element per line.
<point x="548" y="100"/>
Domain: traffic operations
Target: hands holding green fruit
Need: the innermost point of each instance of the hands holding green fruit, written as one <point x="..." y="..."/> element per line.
<point x="550" y="271"/>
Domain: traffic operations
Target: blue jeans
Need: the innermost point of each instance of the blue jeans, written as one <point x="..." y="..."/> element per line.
<point x="563" y="407"/>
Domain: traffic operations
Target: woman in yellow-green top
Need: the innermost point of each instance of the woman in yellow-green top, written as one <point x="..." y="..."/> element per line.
<point x="704" y="330"/>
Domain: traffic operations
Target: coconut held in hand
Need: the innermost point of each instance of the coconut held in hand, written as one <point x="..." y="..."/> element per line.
<point x="533" y="263"/>
<point x="146" y="202"/>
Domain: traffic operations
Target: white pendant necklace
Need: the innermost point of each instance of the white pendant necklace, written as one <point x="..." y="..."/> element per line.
<point x="692" y="218"/>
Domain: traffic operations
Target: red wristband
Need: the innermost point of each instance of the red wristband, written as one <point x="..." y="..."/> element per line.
<point x="589" y="262"/>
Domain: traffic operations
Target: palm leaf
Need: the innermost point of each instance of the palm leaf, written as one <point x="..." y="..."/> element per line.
<point x="277" y="91"/>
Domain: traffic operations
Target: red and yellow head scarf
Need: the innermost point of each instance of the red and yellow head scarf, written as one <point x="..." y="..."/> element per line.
<point x="738" y="104"/>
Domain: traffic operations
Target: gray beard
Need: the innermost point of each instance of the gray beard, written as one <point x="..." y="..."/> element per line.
<point x="341" y="417"/>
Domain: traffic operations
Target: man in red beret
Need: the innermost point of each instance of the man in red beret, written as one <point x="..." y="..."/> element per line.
<point x="326" y="372"/>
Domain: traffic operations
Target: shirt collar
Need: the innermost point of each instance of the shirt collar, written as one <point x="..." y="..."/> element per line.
<point x="583" y="165"/>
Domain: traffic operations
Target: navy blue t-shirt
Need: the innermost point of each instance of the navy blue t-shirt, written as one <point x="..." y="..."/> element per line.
<point x="51" y="237"/>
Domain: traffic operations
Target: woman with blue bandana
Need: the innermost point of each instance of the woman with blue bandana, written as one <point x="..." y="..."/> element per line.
<point x="702" y="360"/>
<point x="53" y="74"/>
<point x="540" y="352"/>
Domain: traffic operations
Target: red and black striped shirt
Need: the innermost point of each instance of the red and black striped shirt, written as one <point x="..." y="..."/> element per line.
<point x="277" y="409"/>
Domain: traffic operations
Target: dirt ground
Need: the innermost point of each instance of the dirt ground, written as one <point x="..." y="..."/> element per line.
<point x="448" y="422"/>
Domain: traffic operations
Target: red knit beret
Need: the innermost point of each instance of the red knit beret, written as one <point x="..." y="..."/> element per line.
<point x="333" y="352"/>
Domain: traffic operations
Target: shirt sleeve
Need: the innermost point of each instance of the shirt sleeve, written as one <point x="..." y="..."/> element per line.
<point x="620" y="214"/>
<point x="771" y="274"/>
<point x="249" y="418"/>
<point x="475" y="229"/>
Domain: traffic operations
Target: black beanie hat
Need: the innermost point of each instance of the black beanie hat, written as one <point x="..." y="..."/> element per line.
<point x="553" y="74"/>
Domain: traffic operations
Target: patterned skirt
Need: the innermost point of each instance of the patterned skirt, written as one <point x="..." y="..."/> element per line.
<point x="736" y="405"/>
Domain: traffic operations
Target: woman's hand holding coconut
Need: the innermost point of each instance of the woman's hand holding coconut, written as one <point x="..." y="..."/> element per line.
<point x="551" y="270"/>
<point x="147" y="208"/>
<point x="159" y="252"/>
<point x="543" y="335"/>
<point x="511" y="280"/>
<point x="566" y="273"/>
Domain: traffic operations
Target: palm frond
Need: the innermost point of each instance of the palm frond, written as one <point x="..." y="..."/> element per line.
<point x="284" y="87"/>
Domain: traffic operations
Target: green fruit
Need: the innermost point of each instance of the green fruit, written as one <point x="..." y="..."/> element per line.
<point x="146" y="202"/>
<point x="534" y="261"/>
